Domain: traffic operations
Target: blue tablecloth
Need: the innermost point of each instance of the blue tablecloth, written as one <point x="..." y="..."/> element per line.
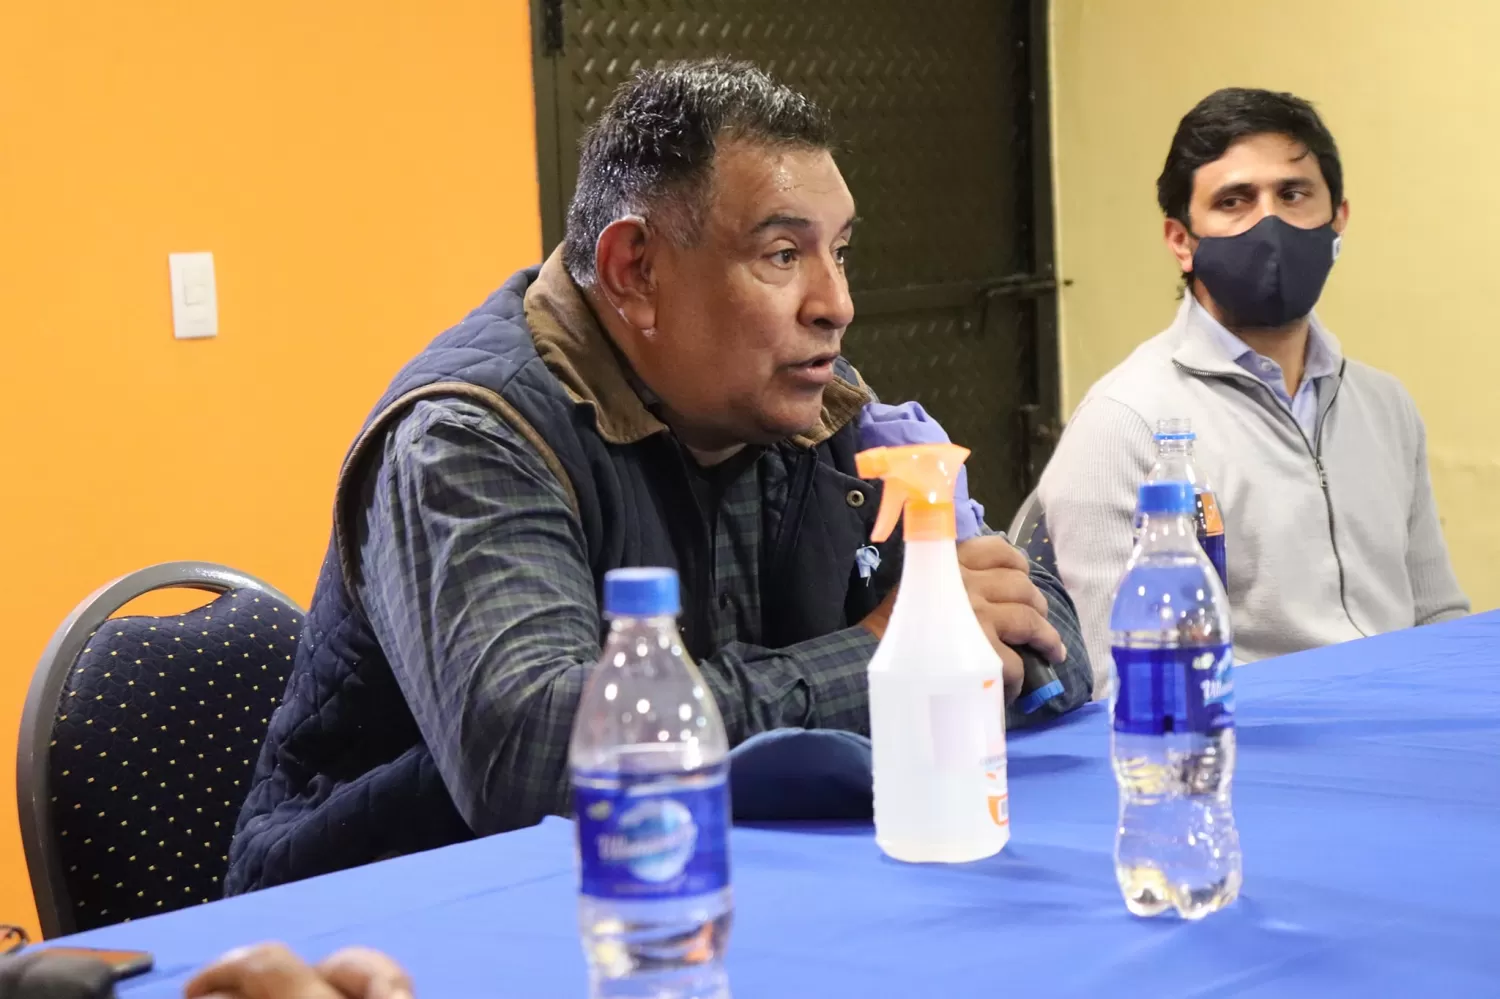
<point x="1368" y="798"/>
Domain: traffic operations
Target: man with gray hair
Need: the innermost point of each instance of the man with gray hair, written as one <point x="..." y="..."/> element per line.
<point x="667" y="389"/>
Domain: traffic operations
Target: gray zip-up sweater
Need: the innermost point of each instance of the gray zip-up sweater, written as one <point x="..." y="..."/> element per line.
<point x="1329" y="538"/>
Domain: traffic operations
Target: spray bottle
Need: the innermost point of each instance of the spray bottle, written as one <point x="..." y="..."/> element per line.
<point x="937" y="693"/>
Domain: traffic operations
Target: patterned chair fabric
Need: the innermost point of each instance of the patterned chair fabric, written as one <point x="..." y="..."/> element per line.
<point x="1028" y="532"/>
<point x="155" y="738"/>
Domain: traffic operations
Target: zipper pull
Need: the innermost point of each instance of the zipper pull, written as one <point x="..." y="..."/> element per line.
<point x="1322" y="473"/>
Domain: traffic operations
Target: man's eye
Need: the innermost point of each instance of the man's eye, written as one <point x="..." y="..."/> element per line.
<point x="1295" y="196"/>
<point x="1230" y="204"/>
<point x="841" y="255"/>
<point x="785" y="258"/>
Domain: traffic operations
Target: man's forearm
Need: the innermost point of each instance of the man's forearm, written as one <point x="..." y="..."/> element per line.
<point x="1436" y="595"/>
<point x="516" y="770"/>
<point x="819" y="683"/>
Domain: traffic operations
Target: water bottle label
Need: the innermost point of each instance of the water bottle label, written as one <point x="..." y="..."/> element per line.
<point x="1214" y="548"/>
<point x="1210" y="521"/>
<point x="644" y="838"/>
<point x="1211" y="534"/>
<point x="1174" y="690"/>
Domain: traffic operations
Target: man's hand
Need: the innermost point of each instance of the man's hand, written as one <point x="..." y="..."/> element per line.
<point x="271" y="971"/>
<point x="1011" y="610"/>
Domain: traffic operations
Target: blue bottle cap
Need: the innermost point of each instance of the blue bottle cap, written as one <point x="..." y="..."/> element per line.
<point x="1029" y="703"/>
<point x="648" y="592"/>
<point x="1167" y="497"/>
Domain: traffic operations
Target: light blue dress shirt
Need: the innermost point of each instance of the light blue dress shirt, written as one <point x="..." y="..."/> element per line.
<point x="1321" y="362"/>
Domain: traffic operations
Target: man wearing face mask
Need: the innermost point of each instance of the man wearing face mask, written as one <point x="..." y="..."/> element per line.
<point x="1319" y="462"/>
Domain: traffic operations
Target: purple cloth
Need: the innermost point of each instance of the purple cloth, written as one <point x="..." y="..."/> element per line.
<point x="896" y="426"/>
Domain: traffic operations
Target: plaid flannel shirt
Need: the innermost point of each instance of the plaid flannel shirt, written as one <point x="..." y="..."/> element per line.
<point x="477" y="584"/>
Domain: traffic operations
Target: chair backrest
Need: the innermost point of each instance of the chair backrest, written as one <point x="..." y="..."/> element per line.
<point x="138" y="741"/>
<point x="1028" y="532"/>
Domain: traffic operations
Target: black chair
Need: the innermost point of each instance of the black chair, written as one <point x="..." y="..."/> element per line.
<point x="138" y="742"/>
<point x="1028" y="532"/>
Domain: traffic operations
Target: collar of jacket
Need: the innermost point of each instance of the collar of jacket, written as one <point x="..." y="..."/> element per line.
<point x="1194" y="348"/>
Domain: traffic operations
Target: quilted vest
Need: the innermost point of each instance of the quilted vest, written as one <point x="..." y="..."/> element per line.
<point x="344" y="777"/>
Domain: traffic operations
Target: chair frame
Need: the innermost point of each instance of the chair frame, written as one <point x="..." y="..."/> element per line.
<point x="1023" y="512"/>
<point x="54" y="904"/>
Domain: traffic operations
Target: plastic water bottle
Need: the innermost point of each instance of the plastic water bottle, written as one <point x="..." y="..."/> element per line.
<point x="650" y="768"/>
<point x="1173" y="718"/>
<point x="1174" y="463"/>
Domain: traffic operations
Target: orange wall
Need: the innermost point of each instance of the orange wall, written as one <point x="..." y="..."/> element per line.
<point x="364" y="173"/>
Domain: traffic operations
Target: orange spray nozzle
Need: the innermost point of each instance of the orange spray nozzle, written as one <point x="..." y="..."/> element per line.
<point x="920" y="479"/>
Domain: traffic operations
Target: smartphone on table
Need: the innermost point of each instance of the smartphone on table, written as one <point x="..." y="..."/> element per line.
<point x="123" y="963"/>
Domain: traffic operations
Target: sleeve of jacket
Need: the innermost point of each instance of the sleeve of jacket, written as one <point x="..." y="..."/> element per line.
<point x="1075" y="672"/>
<point x="476" y="581"/>
<point x="1088" y="494"/>
<point x="1435" y="590"/>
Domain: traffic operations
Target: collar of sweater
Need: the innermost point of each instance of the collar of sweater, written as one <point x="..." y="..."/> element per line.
<point x="1195" y="351"/>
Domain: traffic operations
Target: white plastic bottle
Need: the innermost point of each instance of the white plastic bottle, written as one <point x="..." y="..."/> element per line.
<point x="937" y="693"/>
<point x="650" y="767"/>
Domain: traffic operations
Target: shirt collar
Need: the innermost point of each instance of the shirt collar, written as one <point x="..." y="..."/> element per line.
<point x="1206" y="340"/>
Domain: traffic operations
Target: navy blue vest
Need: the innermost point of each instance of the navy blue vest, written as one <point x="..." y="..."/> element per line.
<point x="344" y="777"/>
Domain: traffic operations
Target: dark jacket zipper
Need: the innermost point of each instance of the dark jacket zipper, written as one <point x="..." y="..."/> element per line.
<point x="1317" y="457"/>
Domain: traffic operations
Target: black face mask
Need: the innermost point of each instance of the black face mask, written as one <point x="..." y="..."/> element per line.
<point x="1268" y="275"/>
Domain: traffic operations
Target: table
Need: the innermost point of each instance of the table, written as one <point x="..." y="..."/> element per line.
<point x="1368" y="800"/>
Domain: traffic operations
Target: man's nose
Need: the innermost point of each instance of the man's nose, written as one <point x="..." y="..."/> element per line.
<point x="828" y="304"/>
<point x="1269" y="204"/>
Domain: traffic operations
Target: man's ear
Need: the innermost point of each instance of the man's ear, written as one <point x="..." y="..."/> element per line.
<point x="1181" y="243"/>
<point x="623" y="259"/>
<point x="1341" y="217"/>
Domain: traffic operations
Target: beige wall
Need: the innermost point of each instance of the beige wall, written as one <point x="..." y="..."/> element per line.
<point x="1409" y="91"/>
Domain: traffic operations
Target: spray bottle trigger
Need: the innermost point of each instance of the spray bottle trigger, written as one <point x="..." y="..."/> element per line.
<point x="876" y="464"/>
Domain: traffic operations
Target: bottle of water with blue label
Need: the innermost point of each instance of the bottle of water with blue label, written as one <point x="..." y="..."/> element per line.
<point x="1173" y="718"/>
<point x="1174" y="462"/>
<point x="650" y="768"/>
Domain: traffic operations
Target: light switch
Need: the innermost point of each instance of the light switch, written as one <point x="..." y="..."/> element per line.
<point x="195" y="296"/>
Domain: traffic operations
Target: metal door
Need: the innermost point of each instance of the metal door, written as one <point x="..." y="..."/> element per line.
<point x="941" y="118"/>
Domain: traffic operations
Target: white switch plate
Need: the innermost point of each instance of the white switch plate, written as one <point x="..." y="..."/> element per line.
<point x="195" y="296"/>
